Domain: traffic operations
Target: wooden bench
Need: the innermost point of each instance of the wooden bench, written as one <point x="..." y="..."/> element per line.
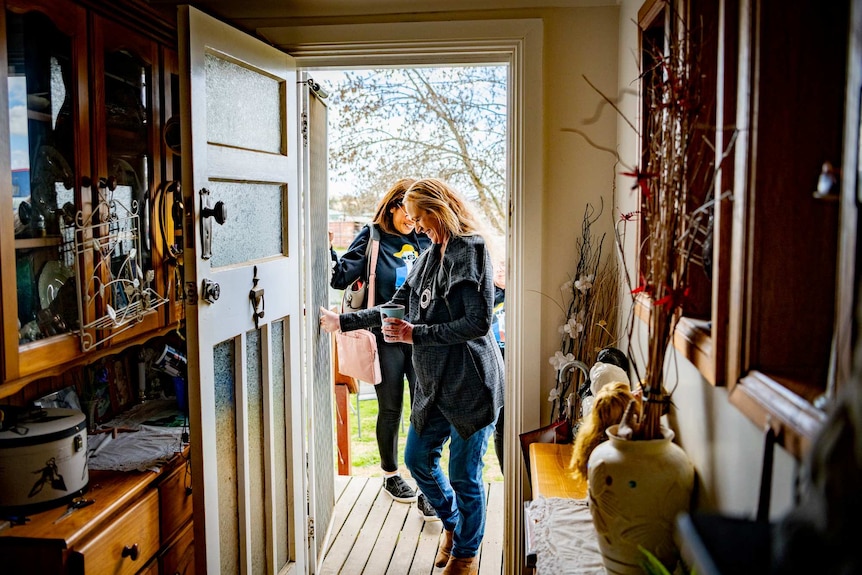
<point x="552" y="476"/>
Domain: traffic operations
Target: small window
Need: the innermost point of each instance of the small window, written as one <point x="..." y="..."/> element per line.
<point x="704" y="309"/>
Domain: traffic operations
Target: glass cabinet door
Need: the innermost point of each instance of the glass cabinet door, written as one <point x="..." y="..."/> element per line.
<point x="123" y="282"/>
<point x="46" y="43"/>
<point x="84" y="151"/>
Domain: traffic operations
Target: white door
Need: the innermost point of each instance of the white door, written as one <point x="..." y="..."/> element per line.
<point x="319" y="394"/>
<point x="244" y="313"/>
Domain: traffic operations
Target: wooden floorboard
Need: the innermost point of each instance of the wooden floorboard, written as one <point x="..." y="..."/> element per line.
<point x="387" y="539"/>
<point x="373" y="535"/>
<point x="345" y="538"/>
<point x="491" y="554"/>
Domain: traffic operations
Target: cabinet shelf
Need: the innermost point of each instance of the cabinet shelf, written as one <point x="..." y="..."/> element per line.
<point x="33" y="243"/>
<point x="39" y="116"/>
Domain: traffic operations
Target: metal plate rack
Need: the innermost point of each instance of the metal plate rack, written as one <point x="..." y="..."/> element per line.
<point x="118" y="293"/>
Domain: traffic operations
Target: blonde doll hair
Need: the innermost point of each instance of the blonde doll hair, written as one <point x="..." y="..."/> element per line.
<point x="610" y="403"/>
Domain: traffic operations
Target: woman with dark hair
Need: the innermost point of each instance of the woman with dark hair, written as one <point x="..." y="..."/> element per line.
<point x="448" y="300"/>
<point x="400" y="246"/>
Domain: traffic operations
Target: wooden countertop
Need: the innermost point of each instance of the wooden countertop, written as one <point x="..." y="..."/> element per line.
<point x="112" y="492"/>
<point x="552" y="474"/>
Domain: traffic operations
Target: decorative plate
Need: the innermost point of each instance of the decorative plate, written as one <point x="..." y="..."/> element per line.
<point x="54" y="274"/>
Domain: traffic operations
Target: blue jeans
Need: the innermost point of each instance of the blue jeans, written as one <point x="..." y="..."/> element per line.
<point x="459" y="499"/>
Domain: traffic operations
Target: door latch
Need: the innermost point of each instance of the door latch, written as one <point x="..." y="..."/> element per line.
<point x="208" y="212"/>
<point x="210" y="291"/>
<point x="257" y="301"/>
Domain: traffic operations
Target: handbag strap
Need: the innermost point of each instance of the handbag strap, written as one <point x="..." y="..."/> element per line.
<point x="371" y="250"/>
<point x="374" y="245"/>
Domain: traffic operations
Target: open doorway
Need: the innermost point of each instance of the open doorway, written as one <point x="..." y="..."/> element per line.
<point x="518" y="43"/>
<point x="391" y="123"/>
<point x="384" y="125"/>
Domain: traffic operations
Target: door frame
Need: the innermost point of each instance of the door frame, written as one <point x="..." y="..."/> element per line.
<point x="517" y="43"/>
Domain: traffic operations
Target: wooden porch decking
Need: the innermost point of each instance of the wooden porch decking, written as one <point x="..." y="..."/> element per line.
<point x="374" y="535"/>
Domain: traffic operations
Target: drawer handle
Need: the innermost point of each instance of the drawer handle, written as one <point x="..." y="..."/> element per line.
<point x="131" y="552"/>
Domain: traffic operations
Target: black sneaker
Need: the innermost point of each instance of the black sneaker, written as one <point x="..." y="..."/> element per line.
<point x="398" y="489"/>
<point x="425" y="510"/>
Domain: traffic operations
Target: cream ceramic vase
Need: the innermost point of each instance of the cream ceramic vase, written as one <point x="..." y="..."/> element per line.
<point x="636" y="491"/>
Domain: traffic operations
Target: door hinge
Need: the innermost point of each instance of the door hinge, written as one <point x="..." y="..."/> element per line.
<point x="304" y="121"/>
<point x="310" y="528"/>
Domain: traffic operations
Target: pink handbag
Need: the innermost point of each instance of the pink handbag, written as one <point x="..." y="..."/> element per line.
<point x="357" y="350"/>
<point x="357" y="355"/>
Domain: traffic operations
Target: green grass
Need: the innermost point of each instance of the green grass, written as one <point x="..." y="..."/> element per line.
<point x="366" y="458"/>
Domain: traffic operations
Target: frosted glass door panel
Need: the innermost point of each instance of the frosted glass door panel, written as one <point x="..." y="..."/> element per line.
<point x="229" y="121"/>
<point x="224" y="363"/>
<point x="279" y="455"/>
<point x="255" y="432"/>
<point x="254" y="228"/>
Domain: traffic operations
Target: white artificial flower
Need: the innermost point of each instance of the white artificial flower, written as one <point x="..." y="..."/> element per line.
<point x="573" y="327"/>
<point x="559" y="359"/>
<point x="555" y="393"/>
<point x="566" y="286"/>
<point x="584" y="283"/>
<point x="587" y="406"/>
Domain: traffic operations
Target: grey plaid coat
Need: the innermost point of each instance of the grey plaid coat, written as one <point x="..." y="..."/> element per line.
<point x="458" y="363"/>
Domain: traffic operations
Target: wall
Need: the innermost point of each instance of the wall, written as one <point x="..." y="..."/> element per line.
<point x="580" y="45"/>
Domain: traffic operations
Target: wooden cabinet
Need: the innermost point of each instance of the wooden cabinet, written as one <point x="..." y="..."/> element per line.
<point x="90" y="254"/>
<point x="179" y="557"/>
<point x="776" y="326"/>
<point x="123" y="532"/>
<point x="82" y="254"/>
<point x="127" y="544"/>
<point x="175" y="502"/>
<point x="792" y="256"/>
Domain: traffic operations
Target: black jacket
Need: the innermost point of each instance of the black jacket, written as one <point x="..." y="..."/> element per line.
<point x="458" y="364"/>
<point x="396" y="257"/>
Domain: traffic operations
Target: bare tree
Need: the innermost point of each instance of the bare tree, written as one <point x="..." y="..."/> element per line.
<point x="448" y="123"/>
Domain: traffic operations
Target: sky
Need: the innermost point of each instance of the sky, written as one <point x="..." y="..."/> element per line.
<point x="18" y="122"/>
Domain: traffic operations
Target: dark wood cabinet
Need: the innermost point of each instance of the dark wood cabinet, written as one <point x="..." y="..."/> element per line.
<point x="775" y="324"/>
<point x="47" y="118"/>
<point x="86" y="262"/>
<point x="791" y="278"/>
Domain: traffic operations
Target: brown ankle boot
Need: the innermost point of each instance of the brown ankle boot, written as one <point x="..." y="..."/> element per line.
<point x="445" y="550"/>
<point x="462" y="566"/>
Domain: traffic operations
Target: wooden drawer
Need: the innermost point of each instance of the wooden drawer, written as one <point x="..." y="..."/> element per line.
<point x="175" y="503"/>
<point x="126" y="544"/>
<point x="151" y="569"/>
<point x="179" y="557"/>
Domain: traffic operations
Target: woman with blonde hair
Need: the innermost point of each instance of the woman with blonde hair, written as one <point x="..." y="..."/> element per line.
<point x="448" y="300"/>
<point x="608" y="407"/>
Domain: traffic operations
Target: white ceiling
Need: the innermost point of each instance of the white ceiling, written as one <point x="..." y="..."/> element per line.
<point x="256" y="9"/>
